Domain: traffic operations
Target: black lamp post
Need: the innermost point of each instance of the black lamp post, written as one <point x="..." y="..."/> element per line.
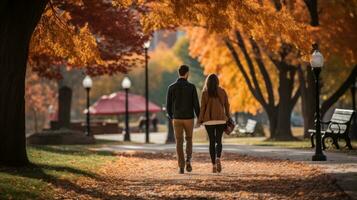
<point x="317" y="62"/>
<point x="147" y="121"/>
<point x="126" y="84"/>
<point x="87" y="84"/>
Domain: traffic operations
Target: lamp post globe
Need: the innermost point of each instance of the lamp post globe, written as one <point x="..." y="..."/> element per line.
<point x="317" y="62"/>
<point x="147" y="44"/>
<point x="147" y="128"/>
<point x="126" y="84"/>
<point x="87" y="84"/>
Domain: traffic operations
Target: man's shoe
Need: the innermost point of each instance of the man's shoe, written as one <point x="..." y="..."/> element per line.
<point x="188" y="166"/>
<point x="181" y="171"/>
<point x="219" y="165"/>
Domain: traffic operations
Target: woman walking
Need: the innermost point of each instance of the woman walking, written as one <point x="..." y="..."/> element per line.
<point x="214" y="115"/>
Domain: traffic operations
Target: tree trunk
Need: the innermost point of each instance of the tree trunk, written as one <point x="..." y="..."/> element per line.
<point x="314" y="15"/>
<point x="308" y="99"/>
<point x="283" y="129"/>
<point x="285" y="106"/>
<point x="279" y="114"/>
<point x="18" y="20"/>
<point x="273" y="121"/>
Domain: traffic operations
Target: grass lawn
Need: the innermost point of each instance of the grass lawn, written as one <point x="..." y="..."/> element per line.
<point x="51" y="166"/>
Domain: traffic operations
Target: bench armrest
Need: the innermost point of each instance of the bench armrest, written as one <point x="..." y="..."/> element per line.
<point x="335" y="123"/>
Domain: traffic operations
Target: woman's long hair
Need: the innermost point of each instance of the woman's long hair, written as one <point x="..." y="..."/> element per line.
<point x="211" y="85"/>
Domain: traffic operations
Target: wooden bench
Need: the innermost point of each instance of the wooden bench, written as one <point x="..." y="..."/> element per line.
<point x="249" y="127"/>
<point x="337" y="128"/>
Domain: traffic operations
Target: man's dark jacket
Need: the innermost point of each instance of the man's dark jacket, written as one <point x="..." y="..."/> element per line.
<point x="182" y="100"/>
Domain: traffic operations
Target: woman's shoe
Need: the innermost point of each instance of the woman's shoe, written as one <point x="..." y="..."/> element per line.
<point x="219" y="165"/>
<point x="181" y="171"/>
<point x="214" y="169"/>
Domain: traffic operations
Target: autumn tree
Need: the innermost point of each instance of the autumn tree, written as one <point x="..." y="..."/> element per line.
<point x="260" y="45"/>
<point x="334" y="26"/>
<point x="117" y="52"/>
<point x="245" y="24"/>
<point x="68" y="34"/>
<point x="269" y="79"/>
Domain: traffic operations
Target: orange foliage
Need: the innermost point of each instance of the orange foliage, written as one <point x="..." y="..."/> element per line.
<point x="38" y="96"/>
<point x="336" y="33"/>
<point x="95" y="36"/>
<point x="260" y="21"/>
<point x="270" y="28"/>
<point x="215" y="57"/>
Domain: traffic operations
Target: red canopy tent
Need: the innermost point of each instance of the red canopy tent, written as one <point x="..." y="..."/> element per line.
<point x="114" y="104"/>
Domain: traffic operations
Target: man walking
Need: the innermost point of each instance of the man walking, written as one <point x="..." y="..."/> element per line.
<point x="181" y="104"/>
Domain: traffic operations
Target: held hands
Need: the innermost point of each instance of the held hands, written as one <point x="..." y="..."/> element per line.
<point x="198" y="124"/>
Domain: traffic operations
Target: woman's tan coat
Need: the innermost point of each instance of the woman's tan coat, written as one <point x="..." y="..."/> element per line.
<point x="214" y="108"/>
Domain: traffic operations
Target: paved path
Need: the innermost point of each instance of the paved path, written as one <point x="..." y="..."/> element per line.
<point x="157" y="138"/>
<point x="341" y="166"/>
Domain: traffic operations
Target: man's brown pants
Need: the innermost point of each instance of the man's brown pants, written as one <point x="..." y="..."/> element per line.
<point x="181" y="125"/>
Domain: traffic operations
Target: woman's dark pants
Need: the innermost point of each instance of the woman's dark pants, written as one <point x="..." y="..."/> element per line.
<point x="215" y="133"/>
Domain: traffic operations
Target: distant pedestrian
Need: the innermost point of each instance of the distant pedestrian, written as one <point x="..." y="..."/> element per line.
<point x="154" y="122"/>
<point x="142" y="123"/>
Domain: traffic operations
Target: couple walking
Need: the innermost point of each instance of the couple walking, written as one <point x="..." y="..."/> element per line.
<point x="182" y="103"/>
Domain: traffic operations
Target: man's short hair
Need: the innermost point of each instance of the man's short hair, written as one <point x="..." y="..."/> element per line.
<point x="183" y="70"/>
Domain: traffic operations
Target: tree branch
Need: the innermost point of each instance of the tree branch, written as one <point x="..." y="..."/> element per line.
<point x="235" y="56"/>
<point x="264" y="72"/>
<point x="292" y="73"/>
<point x="314" y="15"/>
<point x="340" y="91"/>
<point x="277" y="5"/>
<point x="250" y="64"/>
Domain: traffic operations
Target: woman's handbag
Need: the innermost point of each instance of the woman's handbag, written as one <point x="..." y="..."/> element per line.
<point x="229" y="126"/>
